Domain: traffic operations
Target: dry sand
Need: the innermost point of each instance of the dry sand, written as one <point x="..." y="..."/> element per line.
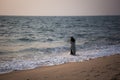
<point x="105" y="68"/>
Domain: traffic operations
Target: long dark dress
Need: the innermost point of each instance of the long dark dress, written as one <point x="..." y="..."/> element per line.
<point x="73" y="49"/>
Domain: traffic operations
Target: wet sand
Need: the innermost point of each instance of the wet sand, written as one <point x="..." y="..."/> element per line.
<point x="104" y="68"/>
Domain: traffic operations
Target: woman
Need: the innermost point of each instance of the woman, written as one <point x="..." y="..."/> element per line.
<point x="73" y="49"/>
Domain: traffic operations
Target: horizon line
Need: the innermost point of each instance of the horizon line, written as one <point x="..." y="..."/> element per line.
<point x="60" y="15"/>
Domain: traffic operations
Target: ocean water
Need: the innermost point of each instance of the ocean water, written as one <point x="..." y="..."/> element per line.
<point x="30" y="42"/>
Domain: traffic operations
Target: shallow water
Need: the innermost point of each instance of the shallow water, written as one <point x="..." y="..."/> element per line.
<point x="29" y="42"/>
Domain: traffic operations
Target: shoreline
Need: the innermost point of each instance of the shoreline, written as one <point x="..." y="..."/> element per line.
<point x="102" y="68"/>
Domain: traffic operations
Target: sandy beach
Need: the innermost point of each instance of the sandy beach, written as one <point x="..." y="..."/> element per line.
<point x="104" y="68"/>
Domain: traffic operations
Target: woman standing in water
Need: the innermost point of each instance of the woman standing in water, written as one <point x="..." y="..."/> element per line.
<point x="73" y="49"/>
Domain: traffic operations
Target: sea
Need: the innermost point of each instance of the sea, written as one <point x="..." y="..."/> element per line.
<point x="27" y="42"/>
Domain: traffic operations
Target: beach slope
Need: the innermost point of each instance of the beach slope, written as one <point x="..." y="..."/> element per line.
<point x="104" y="68"/>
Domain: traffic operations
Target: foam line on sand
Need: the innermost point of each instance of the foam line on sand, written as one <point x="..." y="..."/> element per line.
<point x="104" y="68"/>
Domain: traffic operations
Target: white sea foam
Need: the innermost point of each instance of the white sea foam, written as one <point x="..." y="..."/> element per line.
<point x="21" y="63"/>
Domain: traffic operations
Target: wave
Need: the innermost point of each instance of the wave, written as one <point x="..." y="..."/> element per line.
<point x="46" y="50"/>
<point x="36" y="60"/>
<point x="26" y="39"/>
